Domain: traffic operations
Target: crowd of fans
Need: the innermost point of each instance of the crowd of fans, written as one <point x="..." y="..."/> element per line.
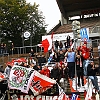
<point x="4" y="48"/>
<point x="65" y="59"/>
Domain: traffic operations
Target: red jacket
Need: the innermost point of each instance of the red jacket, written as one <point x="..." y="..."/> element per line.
<point x="45" y="72"/>
<point x="85" y="52"/>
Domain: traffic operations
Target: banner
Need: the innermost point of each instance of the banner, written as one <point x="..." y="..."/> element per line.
<point x="31" y="97"/>
<point x="20" y="78"/>
<point x="84" y="32"/>
<point x="41" y="83"/>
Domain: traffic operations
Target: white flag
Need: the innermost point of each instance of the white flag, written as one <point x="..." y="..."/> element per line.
<point x="89" y="92"/>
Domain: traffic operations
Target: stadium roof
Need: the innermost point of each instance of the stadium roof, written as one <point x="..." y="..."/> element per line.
<point x="67" y="6"/>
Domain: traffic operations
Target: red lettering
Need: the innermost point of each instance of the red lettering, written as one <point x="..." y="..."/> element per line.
<point x="92" y="11"/>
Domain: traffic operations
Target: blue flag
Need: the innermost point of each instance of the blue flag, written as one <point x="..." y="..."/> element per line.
<point x="74" y="96"/>
<point x="51" y="56"/>
<point x="84" y="32"/>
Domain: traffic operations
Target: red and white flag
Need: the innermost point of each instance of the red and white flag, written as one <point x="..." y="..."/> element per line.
<point x="46" y="42"/>
<point x="20" y="60"/>
<point x="2" y="76"/>
<point x="40" y="83"/>
<point x="20" y="78"/>
<point x="89" y="92"/>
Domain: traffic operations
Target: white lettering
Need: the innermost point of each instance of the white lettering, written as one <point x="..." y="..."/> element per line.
<point x="27" y="97"/>
<point x="31" y="97"/>
<point x="55" y="98"/>
<point x="38" y="97"/>
<point x="43" y="97"/>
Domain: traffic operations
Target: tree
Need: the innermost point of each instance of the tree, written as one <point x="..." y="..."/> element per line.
<point x="16" y="17"/>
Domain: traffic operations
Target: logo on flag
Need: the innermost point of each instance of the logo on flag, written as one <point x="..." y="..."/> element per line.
<point x="20" y="78"/>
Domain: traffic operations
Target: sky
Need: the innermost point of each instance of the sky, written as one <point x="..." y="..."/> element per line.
<point x="50" y="11"/>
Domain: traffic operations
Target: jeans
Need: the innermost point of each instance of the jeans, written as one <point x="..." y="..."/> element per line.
<point x="85" y="65"/>
<point x="94" y="80"/>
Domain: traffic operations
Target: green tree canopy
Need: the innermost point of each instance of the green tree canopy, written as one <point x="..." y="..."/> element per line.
<point x="16" y="17"/>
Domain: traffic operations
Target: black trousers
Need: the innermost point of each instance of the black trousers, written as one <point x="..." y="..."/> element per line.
<point x="71" y="69"/>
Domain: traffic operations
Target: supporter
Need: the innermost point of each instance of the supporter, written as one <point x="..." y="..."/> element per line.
<point x="32" y="60"/>
<point x="2" y="48"/>
<point x="79" y="68"/>
<point x="85" y="55"/>
<point x="56" y="45"/>
<point x="43" y="60"/>
<point x="1" y="69"/>
<point x="61" y="55"/>
<point x="55" y="74"/>
<point x="39" y="59"/>
<point x="5" y="48"/>
<point x="60" y="45"/>
<point x="64" y="74"/>
<point x="66" y="45"/>
<point x="39" y="68"/>
<point x="7" y="70"/>
<point x="92" y="70"/>
<point x="70" y="62"/>
<point x="12" y="48"/>
<point x="55" y="57"/>
<point x="45" y="71"/>
<point x="25" y="65"/>
<point x="31" y="53"/>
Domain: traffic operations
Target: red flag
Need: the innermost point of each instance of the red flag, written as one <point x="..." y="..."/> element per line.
<point x="20" y="60"/>
<point x="46" y="43"/>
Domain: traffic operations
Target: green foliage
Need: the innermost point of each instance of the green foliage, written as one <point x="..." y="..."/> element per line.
<point x="16" y="17"/>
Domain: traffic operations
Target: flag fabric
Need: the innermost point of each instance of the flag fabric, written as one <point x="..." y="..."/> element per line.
<point x="97" y="96"/>
<point x="51" y="56"/>
<point x="89" y="92"/>
<point x="20" y="78"/>
<point x="2" y="76"/>
<point x="84" y="32"/>
<point x="47" y="43"/>
<point x="74" y="96"/>
<point x="11" y="63"/>
<point x="62" y="95"/>
<point x="40" y="83"/>
<point x="20" y="60"/>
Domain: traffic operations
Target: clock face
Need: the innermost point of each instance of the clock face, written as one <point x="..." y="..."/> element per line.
<point x="27" y="34"/>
